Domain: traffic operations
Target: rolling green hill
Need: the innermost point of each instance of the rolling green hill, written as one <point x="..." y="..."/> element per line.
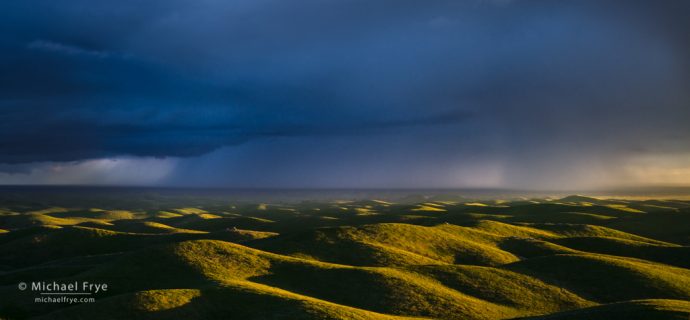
<point x="629" y="310"/>
<point x="570" y="258"/>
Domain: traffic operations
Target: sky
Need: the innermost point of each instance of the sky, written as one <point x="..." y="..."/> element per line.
<point x="523" y="94"/>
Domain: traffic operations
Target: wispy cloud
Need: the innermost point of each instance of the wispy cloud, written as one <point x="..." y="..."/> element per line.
<point x="61" y="48"/>
<point x="113" y="171"/>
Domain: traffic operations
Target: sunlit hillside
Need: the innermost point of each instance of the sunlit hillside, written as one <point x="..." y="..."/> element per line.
<point x="541" y="258"/>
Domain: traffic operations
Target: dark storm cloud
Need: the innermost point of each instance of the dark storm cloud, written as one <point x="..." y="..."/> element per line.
<point x="539" y="86"/>
<point x="76" y="86"/>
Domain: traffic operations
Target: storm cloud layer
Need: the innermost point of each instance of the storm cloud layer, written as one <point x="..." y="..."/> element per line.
<point x="525" y="93"/>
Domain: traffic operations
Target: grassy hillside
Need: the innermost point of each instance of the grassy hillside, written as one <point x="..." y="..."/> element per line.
<point x="393" y="244"/>
<point x="609" y="278"/>
<point x="247" y="302"/>
<point x="421" y="258"/>
<point x="630" y="310"/>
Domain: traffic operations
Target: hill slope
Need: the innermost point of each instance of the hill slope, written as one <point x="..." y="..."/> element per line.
<point x="422" y="257"/>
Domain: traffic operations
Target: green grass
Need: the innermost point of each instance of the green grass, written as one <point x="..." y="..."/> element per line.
<point x="389" y="290"/>
<point x="584" y="230"/>
<point x="423" y="257"/>
<point x="604" y="279"/>
<point x="629" y="310"/>
<point x="505" y="287"/>
<point x="231" y="301"/>
<point x="393" y="244"/>
<point x="217" y="264"/>
<point x="668" y="254"/>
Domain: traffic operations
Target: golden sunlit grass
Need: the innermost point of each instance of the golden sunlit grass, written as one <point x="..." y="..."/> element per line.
<point x="572" y="258"/>
<point x="166" y="214"/>
<point x="624" y="208"/>
<point x="583" y="230"/>
<point x="190" y="211"/>
<point x="248" y="301"/>
<point x="628" y="310"/>
<point x="505" y="287"/>
<point x="609" y="278"/>
<point x="476" y="204"/>
<point x="386" y="244"/>
<point x="428" y="208"/>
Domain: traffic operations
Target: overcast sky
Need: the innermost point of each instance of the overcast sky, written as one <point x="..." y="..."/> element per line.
<point x="530" y="94"/>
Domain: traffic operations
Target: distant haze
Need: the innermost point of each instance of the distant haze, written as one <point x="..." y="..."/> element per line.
<point x="522" y="94"/>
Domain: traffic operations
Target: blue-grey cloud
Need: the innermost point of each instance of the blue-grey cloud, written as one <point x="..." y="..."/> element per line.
<point x="541" y="87"/>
